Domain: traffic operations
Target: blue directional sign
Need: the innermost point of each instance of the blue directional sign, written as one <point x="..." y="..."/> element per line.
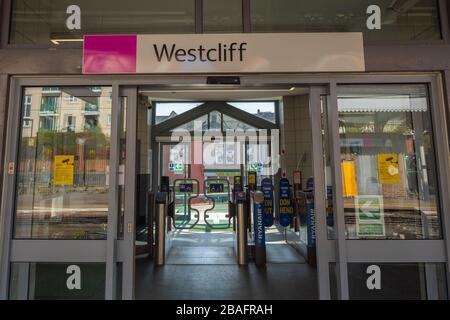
<point x="267" y="189"/>
<point x="286" y="207"/>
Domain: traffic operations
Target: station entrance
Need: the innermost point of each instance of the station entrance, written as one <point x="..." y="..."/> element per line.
<point x="215" y="193"/>
<point x="283" y="187"/>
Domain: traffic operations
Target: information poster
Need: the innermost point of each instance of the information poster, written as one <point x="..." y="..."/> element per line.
<point x="369" y="216"/>
<point x="63" y="170"/>
<point x="388" y="169"/>
<point x="350" y="188"/>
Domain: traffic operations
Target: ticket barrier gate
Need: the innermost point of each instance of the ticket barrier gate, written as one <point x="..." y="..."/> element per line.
<point x="162" y="223"/>
<point x="179" y="197"/>
<point x="259" y="228"/>
<point x="241" y="242"/>
<point x="306" y="219"/>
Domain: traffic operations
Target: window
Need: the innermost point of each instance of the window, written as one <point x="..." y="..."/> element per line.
<point x="222" y="16"/>
<point x="44" y="21"/>
<point x="400" y="20"/>
<point x="90" y="122"/>
<point x="198" y="124"/>
<point x="72" y="99"/>
<point x="70" y="123"/>
<point x="49" y="104"/>
<point x="264" y="109"/>
<point x="62" y="177"/>
<point x="388" y="163"/>
<point x="27" y="102"/>
<point x="47" y="123"/>
<point x="50" y="89"/>
<point x="230" y="123"/>
<point x="169" y="110"/>
<point x="91" y="106"/>
<point x="215" y="120"/>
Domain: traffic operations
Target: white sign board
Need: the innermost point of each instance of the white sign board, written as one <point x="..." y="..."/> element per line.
<point x="224" y="53"/>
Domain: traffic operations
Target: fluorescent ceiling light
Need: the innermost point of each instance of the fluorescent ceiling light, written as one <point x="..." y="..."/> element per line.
<point x="59" y="41"/>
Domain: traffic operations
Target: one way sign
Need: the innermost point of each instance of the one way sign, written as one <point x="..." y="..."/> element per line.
<point x="369" y="216"/>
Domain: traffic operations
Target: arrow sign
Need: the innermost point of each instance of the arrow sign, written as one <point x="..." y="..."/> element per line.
<point x="369" y="216"/>
<point x="368" y="211"/>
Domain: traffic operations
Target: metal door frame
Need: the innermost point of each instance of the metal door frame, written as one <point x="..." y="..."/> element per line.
<point x="113" y="250"/>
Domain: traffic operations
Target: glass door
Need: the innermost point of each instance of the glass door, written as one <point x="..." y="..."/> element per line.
<point x="385" y="140"/>
<point x="121" y="263"/>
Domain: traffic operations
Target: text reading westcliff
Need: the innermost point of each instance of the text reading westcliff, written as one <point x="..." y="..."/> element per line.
<point x="220" y="53"/>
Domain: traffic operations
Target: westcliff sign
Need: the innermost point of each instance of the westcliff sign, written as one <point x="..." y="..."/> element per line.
<point x="223" y="53"/>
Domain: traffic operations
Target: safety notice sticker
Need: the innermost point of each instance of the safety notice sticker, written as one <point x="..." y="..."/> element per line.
<point x="388" y="169"/>
<point x="63" y="170"/>
<point x="369" y="216"/>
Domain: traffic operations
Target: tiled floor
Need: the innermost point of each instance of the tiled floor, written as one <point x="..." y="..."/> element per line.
<point x="225" y="282"/>
<point x="201" y="255"/>
<point x="203" y="266"/>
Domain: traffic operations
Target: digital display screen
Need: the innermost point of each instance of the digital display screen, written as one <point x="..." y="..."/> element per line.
<point x="187" y="187"/>
<point x="216" y="188"/>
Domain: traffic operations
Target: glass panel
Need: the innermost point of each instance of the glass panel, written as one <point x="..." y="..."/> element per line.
<point x="264" y="110"/>
<point x="409" y="281"/>
<point x="186" y="193"/>
<point x="91" y="107"/>
<point x="215" y="120"/>
<point x="122" y="164"/>
<point x="174" y="161"/>
<point x="63" y="177"/>
<point x="57" y="281"/>
<point x="169" y="110"/>
<point x="47" y="21"/>
<point x="258" y="160"/>
<point x="388" y="165"/>
<point x="199" y="123"/>
<point x="329" y="182"/>
<point x="144" y="168"/>
<point x="400" y="20"/>
<point x="210" y="207"/>
<point x="230" y="123"/>
<point x="222" y="16"/>
<point x="49" y="104"/>
<point x="217" y="196"/>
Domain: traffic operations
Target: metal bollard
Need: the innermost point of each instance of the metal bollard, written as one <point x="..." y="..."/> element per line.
<point x="242" y="246"/>
<point x="160" y="237"/>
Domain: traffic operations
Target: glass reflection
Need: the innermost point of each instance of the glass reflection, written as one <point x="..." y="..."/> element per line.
<point x="388" y="165"/>
<point x="63" y="177"/>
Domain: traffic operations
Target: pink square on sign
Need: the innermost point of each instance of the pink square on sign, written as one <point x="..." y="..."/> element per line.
<point x="109" y="54"/>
